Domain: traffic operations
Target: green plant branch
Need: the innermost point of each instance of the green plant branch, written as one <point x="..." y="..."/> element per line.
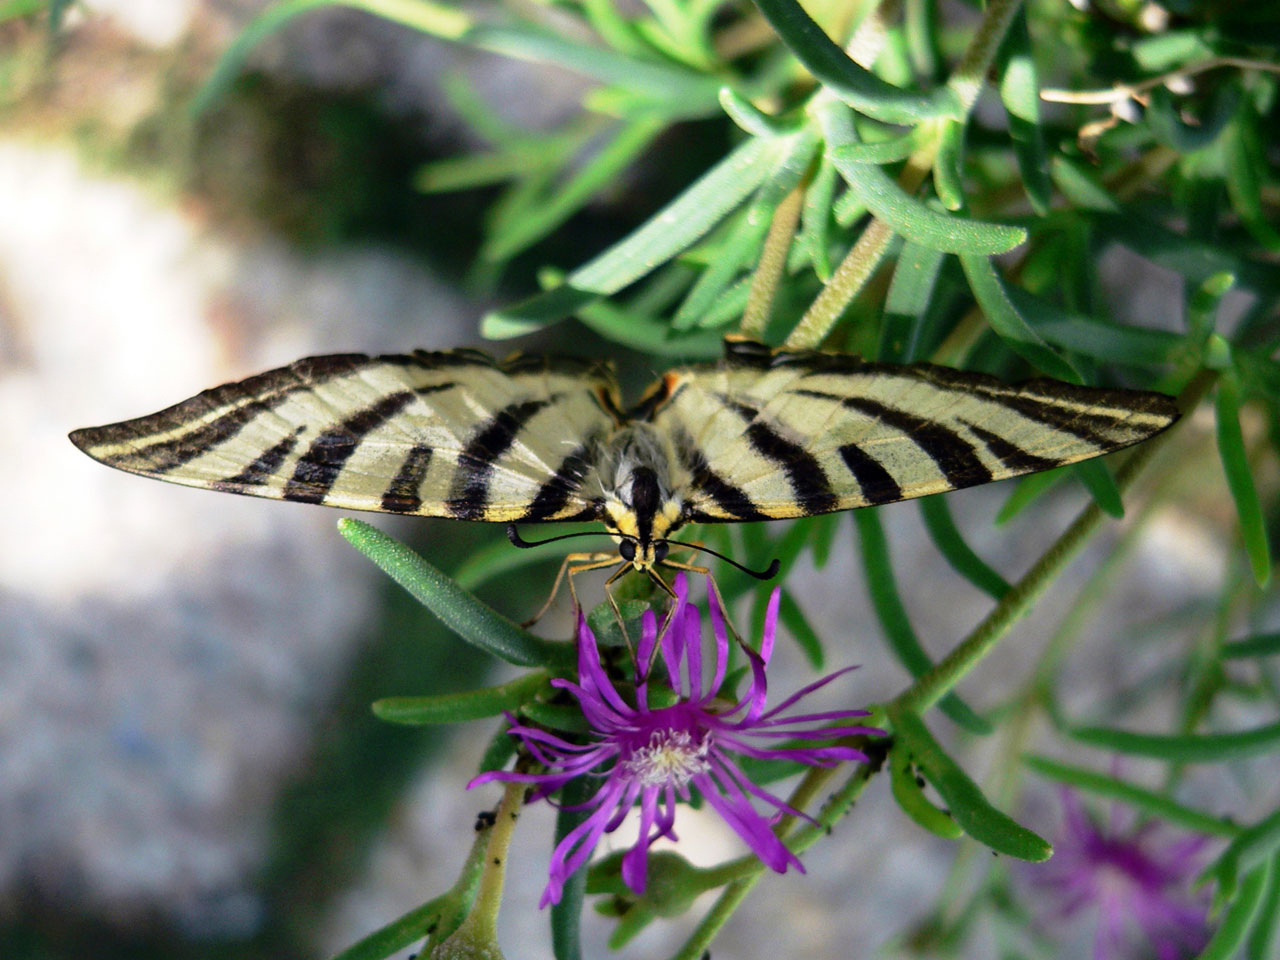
<point x="932" y="686"/>
<point x="773" y="260"/>
<point x="476" y="937"/>
<point x="970" y="73"/>
<point x="860" y="263"/>
<point x="753" y="868"/>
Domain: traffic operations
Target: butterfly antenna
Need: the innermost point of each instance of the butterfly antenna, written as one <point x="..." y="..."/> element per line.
<point x="767" y="574"/>
<point x="518" y="541"/>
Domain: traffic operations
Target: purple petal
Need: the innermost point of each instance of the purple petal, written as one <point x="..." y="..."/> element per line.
<point x="693" y="651"/>
<point x="805" y="691"/>
<point x="591" y="673"/>
<point x="644" y="652"/>
<point x="738" y="813"/>
<point x="636" y="860"/>
<point x="770" y="625"/>
<point x="721" y="635"/>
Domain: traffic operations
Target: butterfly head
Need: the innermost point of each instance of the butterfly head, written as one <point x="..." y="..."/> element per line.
<point x="640" y="513"/>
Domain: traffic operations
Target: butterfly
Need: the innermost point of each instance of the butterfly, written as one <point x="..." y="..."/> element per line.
<point x="761" y="435"/>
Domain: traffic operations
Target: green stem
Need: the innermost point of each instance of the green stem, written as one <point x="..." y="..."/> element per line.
<point x="773" y="260"/>
<point x="753" y="869"/>
<point x="481" y="925"/>
<point x="860" y="263"/>
<point x="932" y="686"/>
<point x="967" y="78"/>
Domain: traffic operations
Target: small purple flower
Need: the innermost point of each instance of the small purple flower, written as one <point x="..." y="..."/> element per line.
<point x="657" y="755"/>
<point x="1133" y="877"/>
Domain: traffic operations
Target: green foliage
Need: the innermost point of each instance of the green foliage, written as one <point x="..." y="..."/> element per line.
<point x="910" y="228"/>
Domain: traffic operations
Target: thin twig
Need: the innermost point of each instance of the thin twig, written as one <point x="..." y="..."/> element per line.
<point x="1130" y="91"/>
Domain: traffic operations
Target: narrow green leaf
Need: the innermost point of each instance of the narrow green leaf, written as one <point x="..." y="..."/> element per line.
<point x="556" y="716"/>
<point x="1202" y="307"/>
<point x="1147" y="801"/>
<point x="1020" y="93"/>
<point x="742" y="247"/>
<point x="1027" y="491"/>
<point x="750" y="118"/>
<point x="1239" y="917"/>
<point x="398" y="934"/>
<point x="948" y="164"/>
<point x="499" y="750"/>
<point x="651" y="335"/>
<point x="1235" y="464"/>
<point x="946" y="537"/>
<point x="472" y="620"/>
<point x="437" y="918"/>
<point x="1249" y="848"/>
<point x="1260" y="645"/>
<point x="1101" y="485"/>
<point x="1243" y="152"/>
<point x="824" y="534"/>
<point x="1187" y="747"/>
<point x="1262" y="938"/>
<point x="975" y="815"/>
<point x="678" y="91"/>
<point x="915" y="221"/>
<point x="1009" y="323"/>
<point x="731" y="306"/>
<point x="673" y="229"/>
<point x="815" y="219"/>
<point x="833" y="68"/>
<point x="920" y="29"/>
<point x="1169" y="49"/>
<point x="880" y="151"/>
<point x="603" y="168"/>
<point x="1111" y="343"/>
<point x="474" y="170"/>
<point x="1081" y="186"/>
<point x="891" y="613"/>
<point x="460" y="707"/>
<point x="912" y="800"/>
<point x="915" y="275"/>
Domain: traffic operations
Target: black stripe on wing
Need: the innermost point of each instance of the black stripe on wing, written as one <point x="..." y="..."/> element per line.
<point x="317" y="469"/>
<point x="731" y="499"/>
<point x="955" y="457"/>
<point x="469" y="492"/>
<point x="263" y="468"/>
<point x="401" y="495"/>
<point x="554" y="495"/>
<point x="809" y="482"/>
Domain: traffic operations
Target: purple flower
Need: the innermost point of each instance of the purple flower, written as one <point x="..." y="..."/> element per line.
<point x="658" y="755"/>
<point x="1135" y="878"/>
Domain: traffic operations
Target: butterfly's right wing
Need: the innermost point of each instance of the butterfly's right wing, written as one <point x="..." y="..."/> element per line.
<point x="768" y="435"/>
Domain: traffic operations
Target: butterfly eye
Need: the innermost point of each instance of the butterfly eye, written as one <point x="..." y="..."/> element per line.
<point x="660" y="552"/>
<point x="628" y="549"/>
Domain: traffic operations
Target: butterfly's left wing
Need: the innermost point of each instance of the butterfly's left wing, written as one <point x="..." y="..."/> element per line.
<point x="769" y="435"/>
<point x="451" y="434"/>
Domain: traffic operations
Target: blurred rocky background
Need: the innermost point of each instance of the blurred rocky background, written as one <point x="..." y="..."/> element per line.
<point x="188" y="765"/>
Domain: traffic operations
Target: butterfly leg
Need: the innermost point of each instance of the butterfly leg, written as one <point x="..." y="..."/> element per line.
<point x="573" y="563"/>
<point x="714" y="589"/>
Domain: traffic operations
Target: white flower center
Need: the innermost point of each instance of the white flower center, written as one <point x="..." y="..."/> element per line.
<point x="671" y="756"/>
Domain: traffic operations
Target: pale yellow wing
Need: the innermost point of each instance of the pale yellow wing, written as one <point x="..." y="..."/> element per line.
<point x="769" y="435"/>
<point x="452" y="434"/>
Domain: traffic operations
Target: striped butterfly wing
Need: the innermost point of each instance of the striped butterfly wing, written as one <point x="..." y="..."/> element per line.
<point x="451" y="434"/>
<point x="767" y="436"/>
